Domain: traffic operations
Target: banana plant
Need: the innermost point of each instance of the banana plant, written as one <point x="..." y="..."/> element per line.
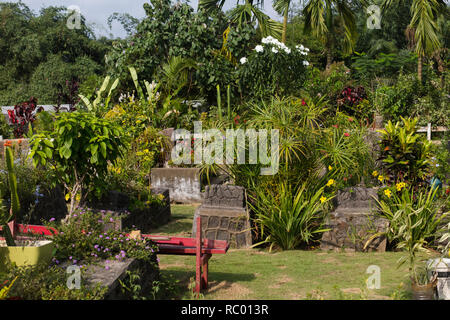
<point x="95" y="106"/>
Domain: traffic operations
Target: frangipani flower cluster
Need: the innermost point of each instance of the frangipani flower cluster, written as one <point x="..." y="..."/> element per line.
<point x="278" y="46"/>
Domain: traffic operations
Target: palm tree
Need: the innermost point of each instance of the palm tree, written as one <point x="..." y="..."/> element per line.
<point x="424" y="27"/>
<point x="323" y="18"/>
<point x="282" y="7"/>
<point x="244" y="13"/>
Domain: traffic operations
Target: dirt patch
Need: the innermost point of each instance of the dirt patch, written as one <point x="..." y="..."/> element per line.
<point x="280" y="281"/>
<point x="226" y="290"/>
<point x="331" y="260"/>
<point x="351" y="290"/>
<point x="282" y="267"/>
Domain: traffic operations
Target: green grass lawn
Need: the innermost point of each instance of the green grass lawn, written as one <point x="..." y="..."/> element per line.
<point x="296" y="274"/>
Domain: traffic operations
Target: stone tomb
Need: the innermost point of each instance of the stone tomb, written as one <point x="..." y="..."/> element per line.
<point x="354" y="221"/>
<point x="225" y="216"/>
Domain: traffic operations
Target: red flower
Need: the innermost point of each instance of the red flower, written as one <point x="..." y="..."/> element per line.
<point x="336" y="126"/>
<point x="236" y="119"/>
<point x="347" y="134"/>
<point x="303" y="102"/>
<point x="350" y="119"/>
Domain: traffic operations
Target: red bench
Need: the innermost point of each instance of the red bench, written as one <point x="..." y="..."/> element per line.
<point x="203" y="249"/>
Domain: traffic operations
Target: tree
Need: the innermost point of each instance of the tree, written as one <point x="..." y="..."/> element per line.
<point x="248" y="12"/>
<point x="423" y="26"/>
<point x="328" y="20"/>
<point x="39" y="53"/>
<point x="282" y="7"/>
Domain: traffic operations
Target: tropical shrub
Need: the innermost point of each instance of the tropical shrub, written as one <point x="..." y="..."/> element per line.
<point x="273" y="69"/>
<point x="405" y="155"/>
<point x="78" y="152"/>
<point x="290" y="216"/>
<point x="22" y="116"/>
<point x="413" y="217"/>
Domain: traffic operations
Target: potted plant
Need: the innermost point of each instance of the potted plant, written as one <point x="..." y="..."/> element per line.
<point x="20" y="251"/>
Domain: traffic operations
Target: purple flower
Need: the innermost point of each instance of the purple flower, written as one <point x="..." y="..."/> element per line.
<point x="100" y="236"/>
<point x="52" y="219"/>
<point x="70" y="258"/>
<point x="107" y="267"/>
<point x="111" y="219"/>
<point x="74" y="261"/>
<point x="96" y="246"/>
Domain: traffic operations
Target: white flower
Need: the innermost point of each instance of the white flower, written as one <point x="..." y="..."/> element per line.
<point x="303" y="53"/>
<point x="274" y="50"/>
<point x="287" y="50"/>
<point x="259" y="48"/>
<point x="268" y="39"/>
<point x="306" y="49"/>
<point x="305" y="63"/>
<point x="243" y="60"/>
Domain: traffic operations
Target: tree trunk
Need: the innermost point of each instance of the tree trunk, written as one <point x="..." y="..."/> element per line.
<point x="419" y="68"/>
<point x="285" y="21"/>
<point x="329" y="58"/>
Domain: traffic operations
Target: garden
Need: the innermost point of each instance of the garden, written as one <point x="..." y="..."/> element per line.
<point x="305" y="159"/>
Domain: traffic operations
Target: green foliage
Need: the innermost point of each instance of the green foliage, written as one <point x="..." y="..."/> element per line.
<point x="367" y="68"/>
<point x="89" y="236"/>
<point x="6" y="131"/>
<point x="78" y="151"/>
<point x="289" y="217"/>
<point x="167" y="31"/>
<point x="413" y="221"/>
<point x="42" y="282"/>
<point x="405" y="154"/>
<point x="15" y="204"/>
<point x="274" y="70"/>
<point x="101" y="104"/>
<point x="39" y="53"/>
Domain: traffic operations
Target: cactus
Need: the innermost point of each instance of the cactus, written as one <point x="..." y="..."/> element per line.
<point x="15" y="205"/>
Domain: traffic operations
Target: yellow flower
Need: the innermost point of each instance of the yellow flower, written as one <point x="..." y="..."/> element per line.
<point x="381" y="178"/>
<point x="160" y="196"/>
<point x="78" y="197"/>
<point x="375" y="173"/>
<point x="322" y="199"/>
<point x="400" y="186"/>
<point x="330" y="182"/>
<point x="330" y="168"/>
<point x="387" y="192"/>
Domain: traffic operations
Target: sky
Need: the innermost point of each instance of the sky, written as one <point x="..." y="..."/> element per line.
<point x="97" y="12"/>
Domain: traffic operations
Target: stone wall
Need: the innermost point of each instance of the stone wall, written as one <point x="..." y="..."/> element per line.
<point x="145" y="219"/>
<point x="224" y="216"/>
<point x="354" y="221"/>
<point x="183" y="183"/>
<point x="98" y="274"/>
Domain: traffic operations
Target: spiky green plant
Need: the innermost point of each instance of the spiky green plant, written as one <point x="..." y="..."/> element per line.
<point x="5" y="216"/>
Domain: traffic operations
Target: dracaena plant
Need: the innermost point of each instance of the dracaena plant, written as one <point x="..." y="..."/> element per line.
<point x="78" y="152"/>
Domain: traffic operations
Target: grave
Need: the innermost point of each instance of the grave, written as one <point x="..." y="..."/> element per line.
<point x="224" y="215"/>
<point x="183" y="183"/>
<point x="354" y="221"/>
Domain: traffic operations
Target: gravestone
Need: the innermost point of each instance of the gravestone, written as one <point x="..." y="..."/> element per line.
<point x="354" y="221"/>
<point x="224" y="215"/>
<point x="184" y="184"/>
